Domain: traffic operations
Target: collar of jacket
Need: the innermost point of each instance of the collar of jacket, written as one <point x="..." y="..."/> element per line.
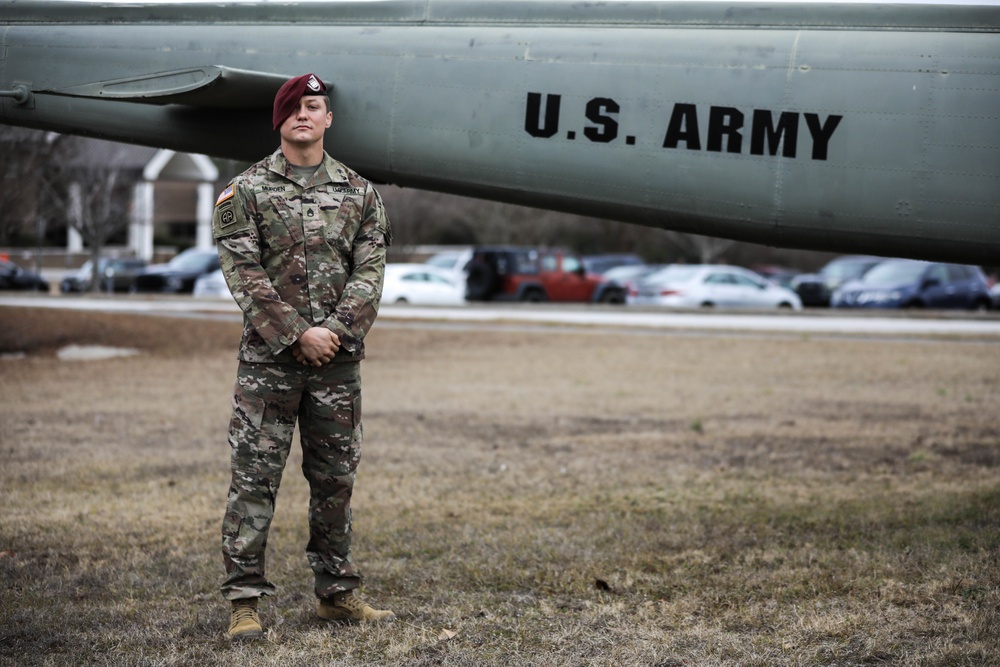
<point x="330" y="170"/>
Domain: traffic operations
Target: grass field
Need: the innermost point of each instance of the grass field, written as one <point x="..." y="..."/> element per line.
<point x="523" y="499"/>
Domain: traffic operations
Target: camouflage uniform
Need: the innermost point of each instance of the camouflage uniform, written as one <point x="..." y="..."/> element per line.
<point x="295" y="255"/>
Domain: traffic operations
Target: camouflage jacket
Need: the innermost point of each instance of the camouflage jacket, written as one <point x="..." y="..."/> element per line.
<point x="301" y="254"/>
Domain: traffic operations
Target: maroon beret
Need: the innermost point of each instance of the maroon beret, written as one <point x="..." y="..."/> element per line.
<point x="287" y="99"/>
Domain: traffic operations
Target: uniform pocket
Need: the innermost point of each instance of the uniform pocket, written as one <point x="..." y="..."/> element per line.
<point x="340" y="231"/>
<point x="281" y="226"/>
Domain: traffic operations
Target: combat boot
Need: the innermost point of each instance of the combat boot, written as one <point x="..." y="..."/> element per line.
<point x="348" y="607"/>
<point x="244" y="624"/>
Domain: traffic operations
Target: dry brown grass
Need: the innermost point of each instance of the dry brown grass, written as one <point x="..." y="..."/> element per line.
<point x="552" y="498"/>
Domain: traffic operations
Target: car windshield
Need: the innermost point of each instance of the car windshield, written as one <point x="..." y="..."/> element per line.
<point x="674" y="274"/>
<point x="445" y="260"/>
<point x="894" y="273"/>
<point x="748" y="281"/>
<point x="193" y="261"/>
<point x="630" y="272"/>
<point x="847" y="270"/>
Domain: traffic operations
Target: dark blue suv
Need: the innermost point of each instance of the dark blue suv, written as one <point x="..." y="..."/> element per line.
<point x="908" y="283"/>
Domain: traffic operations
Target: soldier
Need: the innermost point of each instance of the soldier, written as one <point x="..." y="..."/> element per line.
<point x="302" y="240"/>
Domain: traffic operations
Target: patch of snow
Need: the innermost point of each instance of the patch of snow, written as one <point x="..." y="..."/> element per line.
<point x="92" y="352"/>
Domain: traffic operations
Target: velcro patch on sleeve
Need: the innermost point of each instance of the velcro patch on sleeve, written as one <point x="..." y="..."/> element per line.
<point x="226" y="216"/>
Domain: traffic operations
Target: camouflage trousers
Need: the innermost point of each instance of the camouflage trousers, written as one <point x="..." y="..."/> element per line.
<point x="267" y="402"/>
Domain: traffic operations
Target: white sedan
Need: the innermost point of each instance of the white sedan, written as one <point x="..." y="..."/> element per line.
<point x="422" y="284"/>
<point x="709" y="286"/>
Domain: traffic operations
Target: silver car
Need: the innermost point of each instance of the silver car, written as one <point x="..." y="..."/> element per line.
<point x="710" y="286"/>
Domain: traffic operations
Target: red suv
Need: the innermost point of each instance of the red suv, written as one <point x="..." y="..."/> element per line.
<point x="511" y="273"/>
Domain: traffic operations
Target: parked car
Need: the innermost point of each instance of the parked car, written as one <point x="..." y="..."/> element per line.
<point x="456" y="260"/>
<point x="118" y="273"/>
<point x="212" y="285"/>
<point x="630" y="275"/>
<point x="601" y="264"/>
<point x="13" y="277"/>
<point x="995" y="295"/>
<point x="709" y="286"/>
<point x="781" y="275"/>
<point x="815" y="288"/>
<point x="178" y="275"/>
<point x="513" y="273"/>
<point x="909" y="283"/>
<point x="422" y="284"/>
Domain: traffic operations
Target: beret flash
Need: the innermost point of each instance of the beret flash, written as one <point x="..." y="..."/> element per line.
<point x="287" y="99"/>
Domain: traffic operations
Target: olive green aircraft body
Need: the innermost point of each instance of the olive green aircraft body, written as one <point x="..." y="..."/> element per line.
<point x="868" y="128"/>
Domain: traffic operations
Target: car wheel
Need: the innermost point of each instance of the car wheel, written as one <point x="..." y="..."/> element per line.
<point x="981" y="306"/>
<point x="914" y="305"/>
<point x="615" y="296"/>
<point x="401" y="299"/>
<point x="533" y="295"/>
<point x="784" y="305"/>
<point x="707" y="304"/>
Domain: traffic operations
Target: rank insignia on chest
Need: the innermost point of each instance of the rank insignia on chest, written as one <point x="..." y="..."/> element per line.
<point x="226" y="194"/>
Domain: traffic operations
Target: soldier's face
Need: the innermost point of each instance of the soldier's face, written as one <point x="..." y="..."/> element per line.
<point x="308" y="122"/>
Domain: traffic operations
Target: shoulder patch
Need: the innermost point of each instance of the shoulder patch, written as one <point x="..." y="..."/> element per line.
<point x="226" y="217"/>
<point x="226" y="194"/>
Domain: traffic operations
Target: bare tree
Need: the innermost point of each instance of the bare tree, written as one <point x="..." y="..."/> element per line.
<point x="23" y="156"/>
<point x="704" y="249"/>
<point x="95" y="198"/>
<point x="423" y="217"/>
<point x="420" y="217"/>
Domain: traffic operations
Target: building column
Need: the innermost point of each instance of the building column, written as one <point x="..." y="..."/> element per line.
<point x="205" y="208"/>
<point x="74" y="242"/>
<point x="140" y="231"/>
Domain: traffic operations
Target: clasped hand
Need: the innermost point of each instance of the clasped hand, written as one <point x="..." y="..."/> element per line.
<point x="316" y="346"/>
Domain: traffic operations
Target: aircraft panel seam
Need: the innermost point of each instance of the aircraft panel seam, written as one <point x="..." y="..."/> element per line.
<point x="3" y="56"/>
<point x="779" y="164"/>
<point x="991" y="147"/>
<point x="684" y="15"/>
<point x="965" y="202"/>
<point x="880" y="220"/>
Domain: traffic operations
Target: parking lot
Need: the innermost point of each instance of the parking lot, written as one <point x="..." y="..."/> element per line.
<point x="597" y="318"/>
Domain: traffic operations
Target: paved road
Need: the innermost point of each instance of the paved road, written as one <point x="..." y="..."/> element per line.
<point x="893" y="324"/>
